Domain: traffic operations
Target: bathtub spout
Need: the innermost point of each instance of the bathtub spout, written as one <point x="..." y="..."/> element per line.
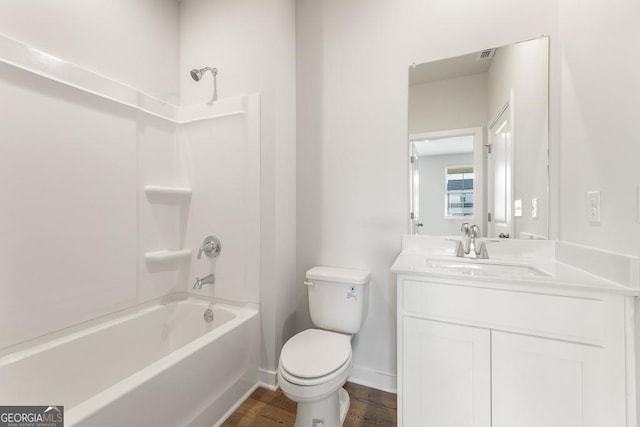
<point x="210" y="279"/>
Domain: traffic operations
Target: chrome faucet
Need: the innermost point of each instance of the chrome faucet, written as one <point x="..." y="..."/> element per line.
<point x="207" y="280"/>
<point x="474" y="233"/>
<point x="471" y="234"/>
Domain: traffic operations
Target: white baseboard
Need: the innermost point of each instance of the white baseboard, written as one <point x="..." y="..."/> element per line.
<point x="268" y="379"/>
<point x="375" y="379"/>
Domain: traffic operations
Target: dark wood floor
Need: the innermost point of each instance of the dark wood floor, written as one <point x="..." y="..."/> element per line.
<point x="264" y="408"/>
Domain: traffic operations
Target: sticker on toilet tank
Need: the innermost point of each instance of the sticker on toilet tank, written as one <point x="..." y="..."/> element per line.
<point x="352" y="293"/>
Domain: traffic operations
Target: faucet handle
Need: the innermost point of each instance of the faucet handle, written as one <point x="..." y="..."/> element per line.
<point x="459" y="247"/>
<point x="474" y="231"/>
<point x="481" y="252"/>
<point x="465" y="228"/>
<point x="211" y="247"/>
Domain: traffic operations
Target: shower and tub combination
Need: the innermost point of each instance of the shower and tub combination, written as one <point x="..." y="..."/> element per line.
<point x="120" y="334"/>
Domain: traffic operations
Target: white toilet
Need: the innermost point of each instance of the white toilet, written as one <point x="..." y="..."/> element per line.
<point x="315" y="364"/>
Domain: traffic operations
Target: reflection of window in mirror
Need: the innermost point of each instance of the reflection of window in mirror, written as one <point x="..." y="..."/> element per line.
<point x="462" y="96"/>
<point x="458" y="191"/>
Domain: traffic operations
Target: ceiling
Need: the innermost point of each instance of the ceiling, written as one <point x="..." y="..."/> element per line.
<point x="444" y="146"/>
<point x="449" y="68"/>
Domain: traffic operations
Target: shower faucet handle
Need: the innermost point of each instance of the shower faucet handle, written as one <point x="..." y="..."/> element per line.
<point x="211" y="247"/>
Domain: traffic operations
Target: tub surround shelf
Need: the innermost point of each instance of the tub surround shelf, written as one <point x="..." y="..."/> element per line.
<point x="160" y="190"/>
<point x="167" y="255"/>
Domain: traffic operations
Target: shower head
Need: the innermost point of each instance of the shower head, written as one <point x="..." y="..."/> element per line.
<point x="196" y="74"/>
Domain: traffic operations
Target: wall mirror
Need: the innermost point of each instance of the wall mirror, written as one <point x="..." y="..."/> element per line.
<point x="479" y="142"/>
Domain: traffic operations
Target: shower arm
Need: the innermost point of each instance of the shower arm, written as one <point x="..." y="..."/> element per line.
<point x="214" y="71"/>
<point x="196" y="74"/>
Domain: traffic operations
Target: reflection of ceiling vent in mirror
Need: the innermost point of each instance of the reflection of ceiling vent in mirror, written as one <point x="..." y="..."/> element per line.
<point x="485" y="54"/>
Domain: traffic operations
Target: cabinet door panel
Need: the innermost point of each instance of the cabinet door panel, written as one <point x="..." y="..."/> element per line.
<point x="446" y="374"/>
<point x="542" y="382"/>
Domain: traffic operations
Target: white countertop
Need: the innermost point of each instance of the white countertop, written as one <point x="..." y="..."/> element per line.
<point x="537" y="254"/>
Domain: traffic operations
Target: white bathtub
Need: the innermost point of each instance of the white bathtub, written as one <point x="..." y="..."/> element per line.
<point x="161" y="365"/>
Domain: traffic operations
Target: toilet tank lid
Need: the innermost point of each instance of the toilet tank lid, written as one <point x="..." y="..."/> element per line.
<point x="339" y="274"/>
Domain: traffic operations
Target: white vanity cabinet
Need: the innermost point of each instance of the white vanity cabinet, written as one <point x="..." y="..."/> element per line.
<point x="447" y="374"/>
<point x="545" y="382"/>
<point x="484" y="354"/>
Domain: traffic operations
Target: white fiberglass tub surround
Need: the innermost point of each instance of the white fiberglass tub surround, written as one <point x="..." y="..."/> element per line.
<point x="161" y="365"/>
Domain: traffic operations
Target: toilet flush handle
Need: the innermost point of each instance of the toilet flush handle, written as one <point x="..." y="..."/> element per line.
<point x="308" y="283"/>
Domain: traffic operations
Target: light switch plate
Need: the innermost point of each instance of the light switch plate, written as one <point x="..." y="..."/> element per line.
<point x="517" y="207"/>
<point x="534" y="208"/>
<point x="638" y="203"/>
<point x="593" y="206"/>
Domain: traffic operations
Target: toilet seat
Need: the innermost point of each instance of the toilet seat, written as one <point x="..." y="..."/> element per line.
<point x="315" y="356"/>
<point x="341" y="371"/>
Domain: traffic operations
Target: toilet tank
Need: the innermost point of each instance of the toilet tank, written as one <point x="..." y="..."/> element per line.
<point x="338" y="298"/>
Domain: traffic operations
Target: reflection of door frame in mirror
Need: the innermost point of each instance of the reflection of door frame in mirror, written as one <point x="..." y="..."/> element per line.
<point x="414" y="190"/>
<point x="478" y="166"/>
<point x="504" y="117"/>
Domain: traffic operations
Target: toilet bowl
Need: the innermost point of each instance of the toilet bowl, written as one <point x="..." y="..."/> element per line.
<point x="315" y="363"/>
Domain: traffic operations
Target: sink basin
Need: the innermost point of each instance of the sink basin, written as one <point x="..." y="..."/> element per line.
<point x="485" y="268"/>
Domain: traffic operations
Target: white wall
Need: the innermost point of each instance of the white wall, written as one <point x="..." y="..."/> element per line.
<point x="600" y="144"/>
<point x="218" y="158"/>
<point x="223" y="162"/>
<point x="252" y="45"/>
<point x="524" y="68"/>
<point x="135" y="42"/>
<point x="68" y="251"/>
<point x="448" y="104"/>
<point x="352" y="133"/>
<point x="70" y="161"/>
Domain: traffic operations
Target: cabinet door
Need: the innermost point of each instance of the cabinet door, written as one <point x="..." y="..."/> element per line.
<point x="543" y="382"/>
<point x="446" y="375"/>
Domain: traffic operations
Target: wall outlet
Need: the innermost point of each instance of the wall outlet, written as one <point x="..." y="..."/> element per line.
<point x="593" y="206"/>
<point x="534" y="208"/>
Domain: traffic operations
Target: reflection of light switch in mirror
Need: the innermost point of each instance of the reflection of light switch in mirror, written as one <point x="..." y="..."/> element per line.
<point x="534" y="208"/>
<point x="517" y="208"/>
<point x="639" y="203"/>
<point x="593" y="206"/>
